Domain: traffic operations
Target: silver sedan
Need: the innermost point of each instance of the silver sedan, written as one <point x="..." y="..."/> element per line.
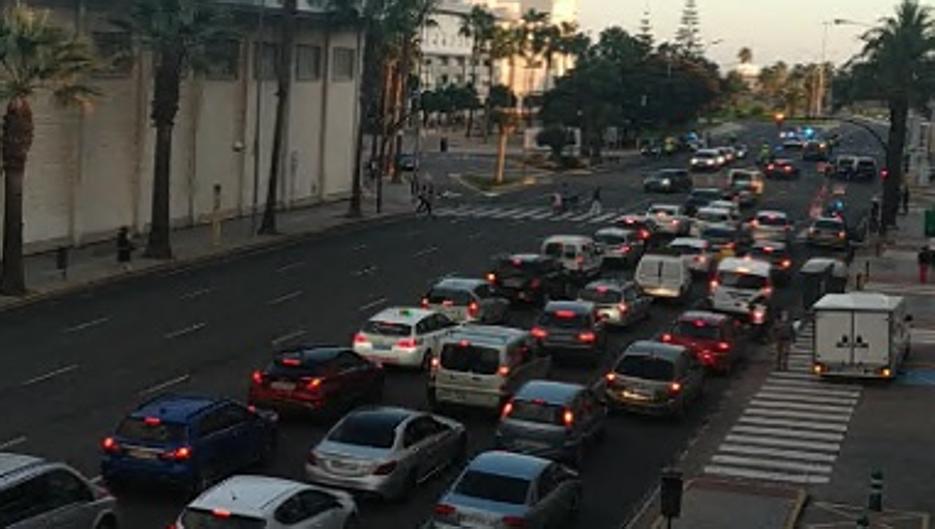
<point x="385" y="451"/>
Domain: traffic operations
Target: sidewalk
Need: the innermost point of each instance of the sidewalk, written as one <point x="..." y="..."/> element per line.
<point x="96" y="263"/>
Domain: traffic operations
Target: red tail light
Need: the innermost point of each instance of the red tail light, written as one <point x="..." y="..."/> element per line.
<point x="644" y="234"/>
<point x="675" y="388"/>
<point x="707" y="359"/>
<point x="503" y="371"/>
<point x="786" y="263"/>
<point x="221" y="513"/>
<point x="408" y="343"/>
<point x="626" y="248"/>
<point x="443" y="509"/>
<point x="568" y="418"/>
<point x="473" y="308"/>
<point x="622" y="307"/>
<point x="535" y="283"/>
<point x="841" y="235"/>
<point x="183" y="453"/>
<point x="507" y="409"/>
<point x="361" y="338"/>
<point x="435" y="362"/>
<point x="110" y="445"/>
<point x="666" y="338"/>
<point x="291" y="362"/>
<point x="587" y="337"/>
<point x="514" y="522"/>
<point x="723" y="346"/>
<point x="152" y="421"/>
<point x="713" y="285"/>
<point x="491" y="277"/>
<point x="538" y="332"/>
<point x="610" y="377"/>
<point x="257" y="377"/>
<point x="313" y="384"/>
<point x="424" y="302"/>
<point x="565" y="314"/>
<point x="385" y="469"/>
<point x="787" y="169"/>
<point x="770" y="167"/>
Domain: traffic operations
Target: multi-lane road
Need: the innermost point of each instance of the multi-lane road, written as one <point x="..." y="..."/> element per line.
<point x="71" y="367"/>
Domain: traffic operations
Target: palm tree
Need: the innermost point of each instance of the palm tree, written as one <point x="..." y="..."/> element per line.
<point x="745" y="55"/>
<point x="478" y="26"/>
<point x="284" y="86"/>
<point x="530" y="41"/>
<point x="506" y="44"/>
<point x="178" y="33"/>
<point x="899" y="59"/>
<point x="35" y="56"/>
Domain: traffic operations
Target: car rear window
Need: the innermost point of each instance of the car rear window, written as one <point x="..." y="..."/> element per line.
<point x="470" y="358"/>
<point x="717" y="234"/>
<point x="765" y="255"/>
<point x="609" y="238"/>
<point x="741" y="280"/>
<point x="685" y="249"/>
<point x="742" y="178"/>
<point x="599" y="295"/>
<point x="384" y="328"/>
<point x="828" y="225"/>
<point x="698" y="329"/>
<point x="370" y="430"/>
<point x="291" y="365"/>
<point x="866" y="164"/>
<point x="707" y="194"/>
<point x="564" y="319"/>
<point x="202" y="519"/>
<point x="702" y="154"/>
<point x="438" y="296"/>
<point x="493" y="487"/>
<point x="139" y="429"/>
<point x="711" y="216"/>
<point x="532" y="411"/>
<point x="517" y="267"/>
<point x="771" y="220"/>
<point x="646" y="368"/>
<point x="659" y="210"/>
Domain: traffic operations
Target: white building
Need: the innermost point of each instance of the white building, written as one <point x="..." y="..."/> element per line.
<point x="90" y="171"/>
<point x="920" y="145"/>
<point x="447" y="55"/>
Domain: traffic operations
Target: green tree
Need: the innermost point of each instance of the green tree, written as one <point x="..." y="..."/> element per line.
<point x="478" y="25"/>
<point x="506" y="44"/>
<point x="688" y="35"/>
<point x="36" y="56"/>
<point x="745" y="55"/>
<point x="555" y="138"/>
<point x="179" y="33"/>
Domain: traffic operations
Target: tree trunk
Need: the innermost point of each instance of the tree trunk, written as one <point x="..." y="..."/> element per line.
<point x="470" y="119"/>
<point x="284" y="82"/>
<point x="16" y="141"/>
<point x="899" y="114"/>
<point x="488" y="109"/>
<point x="354" y="208"/>
<point x="165" y="108"/>
<point x="402" y="105"/>
<point x="501" y="153"/>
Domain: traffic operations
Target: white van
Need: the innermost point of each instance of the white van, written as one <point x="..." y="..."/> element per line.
<point x="742" y="287"/>
<point x="579" y="254"/>
<point x="860" y="334"/>
<point x="708" y="216"/>
<point x="664" y="276"/>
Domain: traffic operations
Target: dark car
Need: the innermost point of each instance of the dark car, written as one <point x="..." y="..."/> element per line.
<point x="572" y="330"/>
<point x="555" y="420"/>
<point x="407" y="162"/>
<point x="620" y="246"/>
<point x="865" y="169"/>
<point x="828" y="231"/>
<point x="529" y="278"/>
<point x="778" y="255"/>
<point x="646" y="227"/>
<point x="721" y="236"/>
<point x="654" y="378"/>
<point x="700" y="198"/>
<point x="712" y="337"/>
<point x="816" y="151"/>
<point x="668" y="181"/>
<point x="318" y="380"/>
<point x="186" y="441"/>
<point x="782" y="168"/>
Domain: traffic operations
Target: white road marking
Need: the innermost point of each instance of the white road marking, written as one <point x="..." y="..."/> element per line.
<point x="195" y="294"/>
<point x="284" y="298"/>
<point x="786" y="433"/>
<point x="582" y="218"/>
<point x="427" y="251"/>
<point x="289" y="337"/>
<point x="163" y="385"/>
<point x="373" y="304"/>
<point x="475" y="235"/>
<point x="603" y="218"/>
<point x="187" y="330"/>
<point x="800" y="406"/>
<point x="805" y="425"/>
<point x="359" y="247"/>
<point x="50" y="374"/>
<point x="290" y="266"/>
<point x="783" y="443"/>
<point x="798" y="415"/>
<point x="564" y="216"/>
<point x="97" y="479"/>
<point x="775" y="452"/>
<point x="529" y="213"/>
<point x="771" y="388"/>
<point x="16" y="441"/>
<point x="507" y="213"/>
<point x="786" y="374"/>
<point x="543" y="215"/>
<point x="772" y="476"/>
<point x="86" y="325"/>
<point x="822" y="399"/>
<point x="809" y="468"/>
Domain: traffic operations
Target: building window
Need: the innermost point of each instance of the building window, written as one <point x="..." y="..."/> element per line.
<point x="487" y="63"/>
<point x="307" y="62"/>
<point x="443" y="60"/>
<point x="264" y="63"/>
<point x="223" y="60"/>
<point x="444" y="80"/>
<point x="461" y="61"/>
<point x="115" y="48"/>
<point x="343" y="69"/>
<point x="459" y="80"/>
<point x="428" y="62"/>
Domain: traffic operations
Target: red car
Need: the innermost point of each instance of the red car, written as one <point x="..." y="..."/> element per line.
<point x="710" y="336"/>
<point x="316" y="379"/>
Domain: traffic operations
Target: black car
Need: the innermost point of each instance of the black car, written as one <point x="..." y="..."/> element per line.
<point x="529" y="278"/>
<point x="571" y="330"/>
<point x="816" y="151"/>
<point x="700" y="198"/>
<point x="721" y="236"/>
<point x="407" y="162"/>
<point x="668" y="181"/>
<point x="778" y="255"/>
<point x="782" y="168"/>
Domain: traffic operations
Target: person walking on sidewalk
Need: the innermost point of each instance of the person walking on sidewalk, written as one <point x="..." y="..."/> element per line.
<point x="784" y="334"/>
<point x="905" y="198"/>
<point x="596" y="207"/>
<point x="125" y="248"/>
<point x="925" y="260"/>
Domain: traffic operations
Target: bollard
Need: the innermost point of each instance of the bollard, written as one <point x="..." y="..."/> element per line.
<point x="867" y="269"/>
<point x="863" y="522"/>
<point x="875" y="501"/>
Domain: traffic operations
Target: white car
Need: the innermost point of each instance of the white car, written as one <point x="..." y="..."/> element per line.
<point x="732" y="207"/>
<point x="271" y="503"/>
<point x="696" y="254"/>
<point x="707" y="159"/>
<point x="671" y="220"/>
<point x="770" y="225"/>
<point x="403" y="336"/>
<point x="709" y="216"/>
<point x="742" y="287"/>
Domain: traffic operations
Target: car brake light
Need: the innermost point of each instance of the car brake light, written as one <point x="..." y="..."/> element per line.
<point x="769" y="249"/>
<point x="408" y="343"/>
<point x="564" y="314"/>
<point x="587" y="337"/>
<point x="730" y="245"/>
<point x="786" y="263"/>
<point x="666" y="338"/>
<point x="601" y="289"/>
<point x="610" y="377"/>
<point x="385" y="469"/>
<point x="221" y="513"/>
<point x="787" y="169"/>
<point x="313" y="384"/>
<point x="675" y="388"/>
<point x="644" y="234"/>
<point x="538" y="332"/>
<point x="491" y="277"/>
<point x="723" y="346"/>
<point x="473" y="307"/>
<point x="841" y="235"/>
<point x="626" y="248"/>
<point x="181" y="454"/>
<point x="110" y="445"/>
<point x="758" y="316"/>
<point x="713" y="285"/>
<point x="257" y="377"/>
<point x="507" y="409"/>
<point x="424" y="302"/>
<point x="770" y="167"/>
<point x="503" y="371"/>
<point x="448" y="303"/>
<point x="706" y="358"/>
<point x="152" y="421"/>
<point x="818" y="369"/>
<point x="622" y="307"/>
<point x="568" y="418"/>
<point x="361" y="338"/>
<point x="443" y="509"/>
<point x="435" y="362"/>
<point x="755" y="223"/>
<point x="291" y="362"/>
<point x="767" y="291"/>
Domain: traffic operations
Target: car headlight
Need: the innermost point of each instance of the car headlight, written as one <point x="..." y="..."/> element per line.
<point x="666" y="182"/>
<point x="695" y="161"/>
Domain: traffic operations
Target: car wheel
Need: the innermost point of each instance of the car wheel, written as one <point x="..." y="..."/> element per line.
<point x="108" y="522"/>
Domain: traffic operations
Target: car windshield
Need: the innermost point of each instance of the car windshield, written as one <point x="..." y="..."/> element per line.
<point x="600" y="295"/>
<point x="493" y="487"/>
<point x="703" y="155"/>
<point x="536" y="411"/>
<point x="717" y="234"/>
<point x="373" y="430"/>
<point x="203" y="519"/>
<point x="564" y="319"/>
<point x="385" y="328"/>
<point x="712" y="216"/>
<point x="771" y="220"/>
<point x="457" y="297"/>
<point x="141" y="429"/>
<point x="554" y="249"/>
<point x="866" y="164"/>
<point x="828" y="225"/>
<point x="646" y="368"/>
<point x="741" y="280"/>
<point x="698" y="329"/>
<point x="470" y="358"/>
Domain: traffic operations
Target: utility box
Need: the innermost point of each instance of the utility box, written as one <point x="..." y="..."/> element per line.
<point x="930" y="222"/>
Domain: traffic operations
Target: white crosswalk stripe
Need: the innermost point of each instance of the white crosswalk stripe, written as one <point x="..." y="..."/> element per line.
<point x="603" y="218"/>
<point x="531" y="213"/>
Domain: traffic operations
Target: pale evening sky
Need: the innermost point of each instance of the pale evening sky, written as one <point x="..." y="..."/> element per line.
<point x="790" y="30"/>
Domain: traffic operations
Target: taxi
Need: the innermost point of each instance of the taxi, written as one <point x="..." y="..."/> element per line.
<point x="403" y="336"/>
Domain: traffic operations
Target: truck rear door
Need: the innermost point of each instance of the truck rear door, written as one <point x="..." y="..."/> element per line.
<point x="834" y="337"/>
<point x="872" y="338"/>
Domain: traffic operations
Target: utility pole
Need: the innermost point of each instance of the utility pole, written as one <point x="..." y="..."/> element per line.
<point x="259" y="54"/>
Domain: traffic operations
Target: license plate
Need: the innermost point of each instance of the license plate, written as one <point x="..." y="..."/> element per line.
<point x="634" y="395"/>
<point x="283" y="386"/>
<point x="513" y="283"/>
<point x="142" y="454"/>
<point x="382" y="346"/>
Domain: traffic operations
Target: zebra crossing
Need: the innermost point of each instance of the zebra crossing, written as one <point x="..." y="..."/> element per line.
<point x="901" y="289"/>
<point x="800" y="353"/>
<point x="530" y="213"/>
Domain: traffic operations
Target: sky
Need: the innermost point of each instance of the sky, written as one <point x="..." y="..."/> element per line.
<point x="790" y="30"/>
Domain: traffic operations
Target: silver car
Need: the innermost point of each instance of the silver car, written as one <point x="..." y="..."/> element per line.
<point x="36" y="493"/>
<point x="466" y="300"/>
<point x="385" y="451"/>
<point x="618" y="303"/>
<point x="502" y="489"/>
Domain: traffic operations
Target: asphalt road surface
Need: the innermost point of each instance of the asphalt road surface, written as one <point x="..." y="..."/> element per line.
<point x="70" y="368"/>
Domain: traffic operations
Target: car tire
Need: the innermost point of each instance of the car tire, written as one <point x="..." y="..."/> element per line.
<point x="107" y="522"/>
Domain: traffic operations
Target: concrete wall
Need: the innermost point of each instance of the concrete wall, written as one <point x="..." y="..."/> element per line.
<point x="90" y="170"/>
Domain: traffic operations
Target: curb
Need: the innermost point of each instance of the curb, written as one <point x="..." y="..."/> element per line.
<point x="178" y="265"/>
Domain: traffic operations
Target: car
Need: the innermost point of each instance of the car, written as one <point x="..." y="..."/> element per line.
<point x="746" y="186"/>
<point x="742" y="196"/>
<point x="554" y="420"/>
<point x="836" y="207"/>
<point x="700" y="198"/>
<point x="571" y="329"/>
<point x="742" y="151"/>
<point x="482" y="366"/>
<point x="865" y="169"/>
<point x="670" y="218"/>
<point x="732" y="207"/>
<point x="845" y="166"/>
<point x="385" y="451"/>
<point x="664" y="275"/>
<point x="318" y="380"/>
<point x="403" y="336"/>
<point x="668" y="181"/>
<point x="723" y="237"/>
<point x="744" y="289"/>
<point x="793" y="143"/>
<point x="771" y="225"/>
<point x="501" y="489"/>
<point x="707" y="160"/>
<point x="463" y="299"/>
<point x="407" y="162"/>
<point x="268" y="502"/>
<point x="646" y="228"/>
<point x="618" y="303"/>
<point x="620" y="246"/>
<point x="37" y="493"/>
<point x="696" y="253"/>
<point x="816" y="151"/>
<point x="651" y="149"/>
<point x="827" y="231"/>
<point x="186" y="441"/>
<point x="708" y="216"/>
<point x="779" y="257"/>
<point x="579" y="254"/>
<point x="782" y="168"/>
<point x="654" y="378"/>
<point x="529" y="278"/>
<point x="728" y="153"/>
<point x="712" y="337"/>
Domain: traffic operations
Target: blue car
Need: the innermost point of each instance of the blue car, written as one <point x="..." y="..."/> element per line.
<point x="186" y="441"/>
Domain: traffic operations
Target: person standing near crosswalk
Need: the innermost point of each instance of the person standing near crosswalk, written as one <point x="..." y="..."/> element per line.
<point x="596" y="206"/>
<point x="784" y="335"/>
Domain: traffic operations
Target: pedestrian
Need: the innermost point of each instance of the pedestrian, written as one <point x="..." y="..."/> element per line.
<point x="557" y="204"/>
<point x="905" y="200"/>
<point x="925" y="260"/>
<point x="125" y="248"/>
<point x="596" y="207"/>
<point x="784" y="334"/>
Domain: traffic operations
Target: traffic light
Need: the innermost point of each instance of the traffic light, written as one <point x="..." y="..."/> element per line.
<point x="884" y="173"/>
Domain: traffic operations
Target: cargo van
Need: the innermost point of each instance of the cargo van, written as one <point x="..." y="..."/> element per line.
<point x="580" y="255"/>
<point x="860" y="334"/>
<point x="664" y="276"/>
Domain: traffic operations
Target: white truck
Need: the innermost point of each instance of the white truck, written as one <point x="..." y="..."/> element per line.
<point x="860" y="334"/>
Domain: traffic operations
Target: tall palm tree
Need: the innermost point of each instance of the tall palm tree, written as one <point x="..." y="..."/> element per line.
<point x="478" y="26"/>
<point x="35" y="56"/>
<point x="506" y="44"/>
<point x="899" y="58"/>
<point x="530" y="41"/>
<point x="178" y="33"/>
<point x="745" y="55"/>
